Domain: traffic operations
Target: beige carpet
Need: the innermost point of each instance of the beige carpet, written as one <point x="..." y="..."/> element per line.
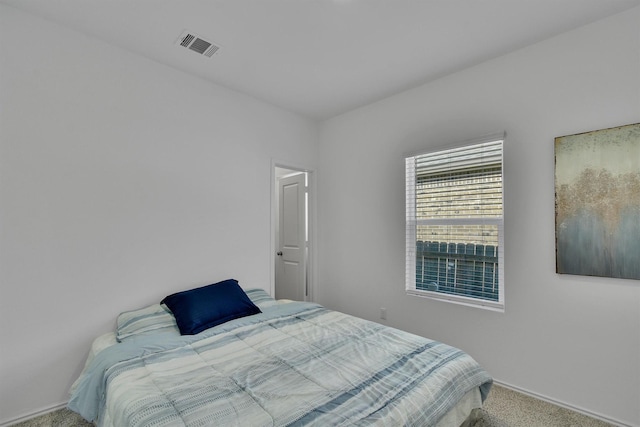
<point x="503" y="408"/>
<point x="60" y="418"/>
<point x="507" y="408"/>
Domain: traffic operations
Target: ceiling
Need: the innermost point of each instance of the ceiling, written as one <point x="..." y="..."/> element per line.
<point x="320" y="58"/>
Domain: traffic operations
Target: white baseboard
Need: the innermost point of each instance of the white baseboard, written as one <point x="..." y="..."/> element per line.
<point x="565" y="405"/>
<point x="37" y="413"/>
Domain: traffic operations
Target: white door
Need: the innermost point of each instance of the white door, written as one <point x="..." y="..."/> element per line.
<point x="291" y="259"/>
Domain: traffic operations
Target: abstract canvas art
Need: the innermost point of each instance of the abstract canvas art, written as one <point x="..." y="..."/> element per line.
<point x="597" y="184"/>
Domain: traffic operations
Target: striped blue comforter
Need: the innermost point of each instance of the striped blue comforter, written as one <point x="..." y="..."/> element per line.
<point x="293" y="364"/>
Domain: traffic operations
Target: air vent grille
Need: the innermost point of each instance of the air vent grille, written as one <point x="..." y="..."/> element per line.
<point x="197" y="44"/>
<point x="188" y="39"/>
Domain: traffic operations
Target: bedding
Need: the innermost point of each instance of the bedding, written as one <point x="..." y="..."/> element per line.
<point x="292" y="364"/>
<point x="202" y="308"/>
<point x="149" y="319"/>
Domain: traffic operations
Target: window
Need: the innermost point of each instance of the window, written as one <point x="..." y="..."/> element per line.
<point x="454" y="228"/>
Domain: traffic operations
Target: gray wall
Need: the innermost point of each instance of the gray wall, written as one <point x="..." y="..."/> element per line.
<point x="573" y="339"/>
<point x="121" y="181"/>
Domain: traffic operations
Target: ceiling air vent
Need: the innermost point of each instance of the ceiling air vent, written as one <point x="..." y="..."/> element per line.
<point x="197" y="44"/>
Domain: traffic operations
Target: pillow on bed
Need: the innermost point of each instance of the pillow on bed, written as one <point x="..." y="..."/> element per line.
<point x="202" y="308"/>
<point x="154" y="318"/>
<point x="261" y="298"/>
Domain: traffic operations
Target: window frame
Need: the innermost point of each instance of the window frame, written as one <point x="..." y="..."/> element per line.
<point x="411" y="229"/>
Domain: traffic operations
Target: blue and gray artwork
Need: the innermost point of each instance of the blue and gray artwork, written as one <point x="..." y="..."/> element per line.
<point x="598" y="203"/>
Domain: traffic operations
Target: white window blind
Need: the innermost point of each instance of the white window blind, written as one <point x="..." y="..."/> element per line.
<point x="454" y="224"/>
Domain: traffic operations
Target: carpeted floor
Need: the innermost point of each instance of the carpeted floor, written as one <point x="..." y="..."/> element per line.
<point x="508" y="408"/>
<point x="503" y="408"/>
<point x="60" y="418"/>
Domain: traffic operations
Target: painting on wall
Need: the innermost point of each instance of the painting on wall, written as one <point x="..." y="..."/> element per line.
<point x="597" y="183"/>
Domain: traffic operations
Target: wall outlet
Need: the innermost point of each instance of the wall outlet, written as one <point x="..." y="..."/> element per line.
<point x="383" y="313"/>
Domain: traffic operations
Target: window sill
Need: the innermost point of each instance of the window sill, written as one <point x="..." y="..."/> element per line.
<point x="455" y="299"/>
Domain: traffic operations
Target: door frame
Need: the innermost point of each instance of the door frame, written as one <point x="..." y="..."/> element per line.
<point x="311" y="218"/>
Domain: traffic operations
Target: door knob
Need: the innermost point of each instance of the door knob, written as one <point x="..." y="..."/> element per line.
<point x="279" y="253"/>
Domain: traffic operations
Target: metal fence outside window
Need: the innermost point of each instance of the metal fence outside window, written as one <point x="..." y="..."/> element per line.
<point x="458" y="268"/>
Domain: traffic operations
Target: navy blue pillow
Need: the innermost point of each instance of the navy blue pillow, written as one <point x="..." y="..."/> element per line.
<point x="202" y="308"/>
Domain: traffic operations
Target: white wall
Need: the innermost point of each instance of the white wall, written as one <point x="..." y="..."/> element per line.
<point x="570" y="338"/>
<point x="121" y="180"/>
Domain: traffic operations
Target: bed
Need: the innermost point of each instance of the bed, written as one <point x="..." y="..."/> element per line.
<point x="286" y="364"/>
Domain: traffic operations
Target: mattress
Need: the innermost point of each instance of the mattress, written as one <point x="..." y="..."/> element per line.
<point x="292" y="364"/>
